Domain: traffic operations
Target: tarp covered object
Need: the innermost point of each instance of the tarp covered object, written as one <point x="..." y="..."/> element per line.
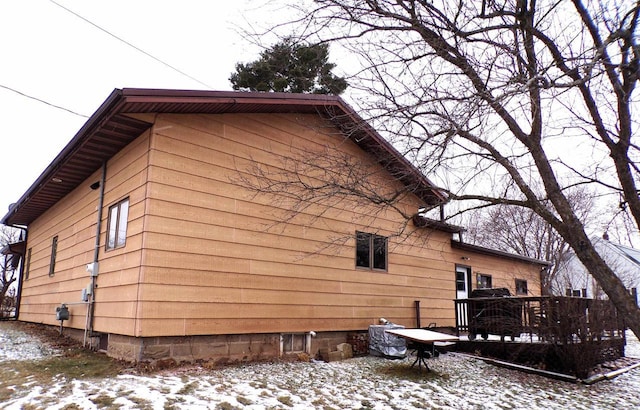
<point x="385" y="344"/>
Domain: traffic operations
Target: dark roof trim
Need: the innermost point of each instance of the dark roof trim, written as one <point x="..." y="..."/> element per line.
<point x="101" y="137"/>
<point x="110" y="129"/>
<point x="493" y="252"/>
<point x="16" y="248"/>
<point x="422" y="222"/>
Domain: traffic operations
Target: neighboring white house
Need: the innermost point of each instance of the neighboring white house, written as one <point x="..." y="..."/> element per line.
<point x="624" y="261"/>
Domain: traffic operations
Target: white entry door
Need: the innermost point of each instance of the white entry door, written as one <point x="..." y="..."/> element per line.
<point x="463" y="280"/>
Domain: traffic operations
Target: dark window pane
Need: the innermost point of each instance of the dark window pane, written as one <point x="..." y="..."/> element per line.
<point x="379" y="252"/>
<point x="287" y="343"/>
<point x="460" y="282"/>
<point x="521" y="287"/>
<point x="298" y="343"/>
<point x="54" y="250"/>
<point x="484" y="281"/>
<point x="27" y="264"/>
<point x="362" y="249"/>
<point x="293" y="343"/>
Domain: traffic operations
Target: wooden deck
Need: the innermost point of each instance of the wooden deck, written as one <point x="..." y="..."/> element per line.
<point x="564" y="334"/>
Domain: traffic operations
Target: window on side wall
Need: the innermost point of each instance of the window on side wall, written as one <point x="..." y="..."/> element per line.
<point x="27" y="264"/>
<point x="54" y="251"/>
<point x="294" y="342"/>
<point x="484" y="281"/>
<point x="371" y="251"/>
<point x="117" y="224"/>
<point x="521" y="287"/>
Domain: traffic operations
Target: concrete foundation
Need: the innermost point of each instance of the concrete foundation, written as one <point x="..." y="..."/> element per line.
<point x="217" y="349"/>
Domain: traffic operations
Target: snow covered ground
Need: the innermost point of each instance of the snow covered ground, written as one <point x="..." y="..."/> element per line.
<point x="17" y="345"/>
<point x="456" y="382"/>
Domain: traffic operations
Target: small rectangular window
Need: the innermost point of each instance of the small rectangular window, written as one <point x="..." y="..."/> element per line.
<point x="484" y="281"/>
<point x="294" y="343"/>
<point x="54" y="250"/>
<point x="117" y="224"/>
<point x="27" y="264"/>
<point x="576" y="292"/>
<point x="521" y="287"/>
<point x="371" y="251"/>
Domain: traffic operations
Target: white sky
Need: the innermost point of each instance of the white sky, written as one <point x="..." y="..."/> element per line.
<point x="51" y="54"/>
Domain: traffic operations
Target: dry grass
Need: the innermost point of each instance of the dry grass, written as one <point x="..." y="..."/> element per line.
<point x="73" y="362"/>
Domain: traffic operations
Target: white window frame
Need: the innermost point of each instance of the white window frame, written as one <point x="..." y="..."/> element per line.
<point x="117" y="225"/>
<point x="287" y="343"/>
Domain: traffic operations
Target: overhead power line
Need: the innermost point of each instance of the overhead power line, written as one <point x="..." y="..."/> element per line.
<point x="43" y="101"/>
<point x="131" y="45"/>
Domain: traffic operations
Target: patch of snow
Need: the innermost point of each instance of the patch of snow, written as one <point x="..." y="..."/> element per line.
<point x="456" y="382"/>
<point x="632" y="349"/>
<point x="17" y="345"/>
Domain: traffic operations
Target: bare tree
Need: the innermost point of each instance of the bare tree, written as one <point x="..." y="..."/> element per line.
<point x="8" y="269"/>
<point x="313" y="183"/>
<point x="511" y="102"/>
<point x="618" y="257"/>
<point x="520" y="230"/>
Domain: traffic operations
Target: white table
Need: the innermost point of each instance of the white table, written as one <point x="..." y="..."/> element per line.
<point x="424" y="340"/>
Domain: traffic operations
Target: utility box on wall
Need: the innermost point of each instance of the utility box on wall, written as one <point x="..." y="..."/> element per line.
<point x="93" y="269"/>
<point x="86" y="293"/>
<point x="62" y="312"/>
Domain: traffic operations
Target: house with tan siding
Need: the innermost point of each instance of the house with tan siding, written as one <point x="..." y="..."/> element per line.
<point x="155" y="229"/>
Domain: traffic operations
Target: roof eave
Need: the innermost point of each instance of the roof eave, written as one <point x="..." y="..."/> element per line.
<point x="423" y="222"/>
<point x="106" y="111"/>
<point x="494" y="252"/>
<point x="133" y="100"/>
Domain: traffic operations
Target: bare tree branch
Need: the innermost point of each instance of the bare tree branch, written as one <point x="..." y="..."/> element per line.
<point x="512" y="102"/>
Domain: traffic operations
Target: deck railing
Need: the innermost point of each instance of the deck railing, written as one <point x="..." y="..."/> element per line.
<point x="557" y="319"/>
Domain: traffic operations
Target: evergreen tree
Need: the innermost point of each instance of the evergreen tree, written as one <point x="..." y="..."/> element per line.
<point x="290" y="67"/>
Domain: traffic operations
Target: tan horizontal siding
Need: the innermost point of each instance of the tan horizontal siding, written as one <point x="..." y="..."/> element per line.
<point x="203" y="310"/>
<point x="200" y="326"/>
<point x="213" y="244"/>
<point x="229" y="288"/>
<point x="73" y="220"/>
<point x="157" y="327"/>
<point x="205" y="255"/>
<point x="179" y="146"/>
<point x="203" y="191"/>
<point x="114" y="324"/>
<point x="266" y="276"/>
<point x="187" y="248"/>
